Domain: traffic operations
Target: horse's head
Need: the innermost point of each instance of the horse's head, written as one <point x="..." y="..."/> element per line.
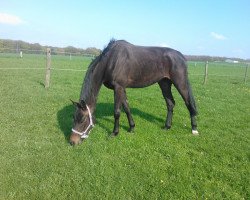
<point x="83" y="122"/>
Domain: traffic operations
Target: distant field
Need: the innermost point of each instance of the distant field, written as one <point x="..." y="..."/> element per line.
<point x="38" y="163"/>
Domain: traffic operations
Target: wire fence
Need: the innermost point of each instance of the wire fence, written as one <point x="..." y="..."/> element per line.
<point x="220" y="70"/>
<point x="25" y="59"/>
<point x="36" y="59"/>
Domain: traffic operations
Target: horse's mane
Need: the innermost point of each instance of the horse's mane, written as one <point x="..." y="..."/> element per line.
<point x="88" y="91"/>
<point x="107" y="48"/>
<point x="102" y="54"/>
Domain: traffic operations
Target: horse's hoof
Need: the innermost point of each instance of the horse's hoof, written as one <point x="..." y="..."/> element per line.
<point x="113" y="134"/>
<point x="195" y="132"/>
<point x="131" y="130"/>
<point x="166" y="128"/>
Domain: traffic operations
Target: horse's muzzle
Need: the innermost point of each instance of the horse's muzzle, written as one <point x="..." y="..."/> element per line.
<point x="75" y="139"/>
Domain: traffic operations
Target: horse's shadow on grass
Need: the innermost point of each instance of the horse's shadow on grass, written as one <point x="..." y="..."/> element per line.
<point x="103" y="111"/>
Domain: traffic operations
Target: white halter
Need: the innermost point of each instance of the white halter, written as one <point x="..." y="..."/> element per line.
<point x="91" y="124"/>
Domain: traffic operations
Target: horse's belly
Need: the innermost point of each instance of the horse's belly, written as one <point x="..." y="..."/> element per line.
<point x="108" y="85"/>
<point x="143" y="81"/>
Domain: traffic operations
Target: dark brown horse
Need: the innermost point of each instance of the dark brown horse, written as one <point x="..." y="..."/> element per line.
<point x="123" y="65"/>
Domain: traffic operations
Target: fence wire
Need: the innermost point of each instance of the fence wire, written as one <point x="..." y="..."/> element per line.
<point x="12" y="59"/>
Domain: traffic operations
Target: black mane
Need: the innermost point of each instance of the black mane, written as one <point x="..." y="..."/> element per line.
<point x="107" y="48"/>
<point x="88" y="91"/>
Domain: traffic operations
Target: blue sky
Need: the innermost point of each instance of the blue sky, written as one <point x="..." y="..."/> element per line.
<point x="214" y="27"/>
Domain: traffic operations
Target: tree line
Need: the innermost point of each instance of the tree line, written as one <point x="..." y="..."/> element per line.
<point x="15" y="46"/>
<point x="212" y="58"/>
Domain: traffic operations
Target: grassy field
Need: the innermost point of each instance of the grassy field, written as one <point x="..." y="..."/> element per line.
<point x="38" y="163"/>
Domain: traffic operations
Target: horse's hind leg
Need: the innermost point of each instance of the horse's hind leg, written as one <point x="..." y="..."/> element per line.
<point x="165" y="85"/>
<point x="182" y="85"/>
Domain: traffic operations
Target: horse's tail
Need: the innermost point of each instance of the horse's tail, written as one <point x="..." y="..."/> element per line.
<point x="191" y="98"/>
<point x="190" y="93"/>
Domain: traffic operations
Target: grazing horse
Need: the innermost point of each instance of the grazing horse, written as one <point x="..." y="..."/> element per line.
<point x="123" y="65"/>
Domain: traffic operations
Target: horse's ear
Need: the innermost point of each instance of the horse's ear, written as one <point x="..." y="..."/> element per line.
<point x="83" y="104"/>
<point x="74" y="103"/>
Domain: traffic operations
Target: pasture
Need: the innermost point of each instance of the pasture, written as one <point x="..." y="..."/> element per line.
<point x="38" y="163"/>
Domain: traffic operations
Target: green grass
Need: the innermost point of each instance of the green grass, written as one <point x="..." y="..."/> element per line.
<point x="38" y="163"/>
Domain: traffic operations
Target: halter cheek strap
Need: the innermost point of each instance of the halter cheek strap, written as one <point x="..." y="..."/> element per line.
<point x="91" y="124"/>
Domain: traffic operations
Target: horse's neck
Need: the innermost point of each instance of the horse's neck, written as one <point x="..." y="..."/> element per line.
<point x="91" y="87"/>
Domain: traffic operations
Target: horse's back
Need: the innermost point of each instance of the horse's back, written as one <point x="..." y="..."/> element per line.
<point x="139" y="66"/>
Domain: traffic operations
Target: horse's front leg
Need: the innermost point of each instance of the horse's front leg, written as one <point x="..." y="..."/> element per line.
<point x="118" y="98"/>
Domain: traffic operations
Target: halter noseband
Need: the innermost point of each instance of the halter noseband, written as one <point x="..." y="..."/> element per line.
<point x="91" y="124"/>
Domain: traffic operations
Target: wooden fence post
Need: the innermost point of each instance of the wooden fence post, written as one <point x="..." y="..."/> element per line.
<point x="48" y="67"/>
<point x="245" y="78"/>
<point x="206" y="73"/>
